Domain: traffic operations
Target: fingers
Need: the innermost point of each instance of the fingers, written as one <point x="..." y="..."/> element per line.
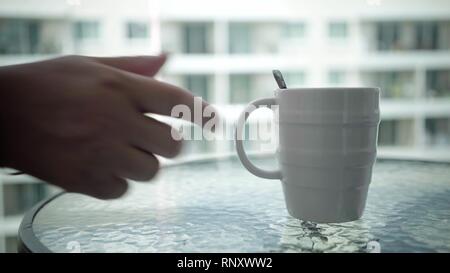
<point x="109" y="188"/>
<point x="153" y="136"/>
<point x="152" y="96"/>
<point x="110" y="182"/>
<point x="142" y="65"/>
<point x="134" y="164"/>
<point x="108" y="179"/>
<point x="102" y="186"/>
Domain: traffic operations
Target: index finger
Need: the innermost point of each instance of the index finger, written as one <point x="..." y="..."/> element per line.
<point x="153" y="96"/>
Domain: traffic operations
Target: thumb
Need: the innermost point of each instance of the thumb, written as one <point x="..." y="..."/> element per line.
<point x="142" y="65"/>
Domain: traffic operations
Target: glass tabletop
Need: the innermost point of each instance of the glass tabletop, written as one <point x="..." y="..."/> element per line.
<point x="217" y="206"/>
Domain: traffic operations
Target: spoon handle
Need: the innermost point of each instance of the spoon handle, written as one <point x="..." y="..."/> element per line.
<point x="279" y="79"/>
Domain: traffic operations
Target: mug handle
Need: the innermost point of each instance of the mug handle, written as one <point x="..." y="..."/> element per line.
<point x="240" y="146"/>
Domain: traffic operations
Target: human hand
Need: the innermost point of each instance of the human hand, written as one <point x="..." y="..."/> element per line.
<point x="78" y="123"/>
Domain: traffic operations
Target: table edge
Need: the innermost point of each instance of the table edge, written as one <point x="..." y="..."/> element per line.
<point x="29" y="243"/>
<point x="27" y="240"/>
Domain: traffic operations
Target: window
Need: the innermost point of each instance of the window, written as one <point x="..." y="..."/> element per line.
<point x="294" y="78"/>
<point x="240" y="88"/>
<point x="86" y="30"/>
<point x="240" y="40"/>
<point x="410" y="35"/>
<point x="387" y="133"/>
<point x="294" y="30"/>
<point x="438" y="131"/>
<point x="195" y="37"/>
<point x="198" y="84"/>
<point x="137" y="30"/>
<point x="336" y="77"/>
<point x="426" y="36"/>
<point x="438" y="83"/>
<point x="396" y="133"/>
<point x="19" y="36"/>
<point x="393" y="84"/>
<point x="388" y="36"/>
<point x="19" y="197"/>
<point x="444" y="35"/>
<point x="338" y="30"/>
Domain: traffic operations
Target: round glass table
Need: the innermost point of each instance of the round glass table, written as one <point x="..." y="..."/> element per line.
<point x="215" y="205"/>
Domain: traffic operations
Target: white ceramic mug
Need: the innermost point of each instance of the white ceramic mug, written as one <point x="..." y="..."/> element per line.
<point x="327" y="148"/>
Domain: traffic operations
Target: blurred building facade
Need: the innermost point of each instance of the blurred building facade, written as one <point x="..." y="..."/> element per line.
<point x="224" y="51"/>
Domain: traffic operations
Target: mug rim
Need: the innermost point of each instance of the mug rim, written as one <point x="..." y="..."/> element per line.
<point x="330" y="89"/>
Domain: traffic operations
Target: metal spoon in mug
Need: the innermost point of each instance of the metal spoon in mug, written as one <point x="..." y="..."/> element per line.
<point x="279" y="79"/>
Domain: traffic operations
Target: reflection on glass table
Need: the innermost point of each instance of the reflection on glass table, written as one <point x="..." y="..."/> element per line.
<point x="217" y="206"/>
